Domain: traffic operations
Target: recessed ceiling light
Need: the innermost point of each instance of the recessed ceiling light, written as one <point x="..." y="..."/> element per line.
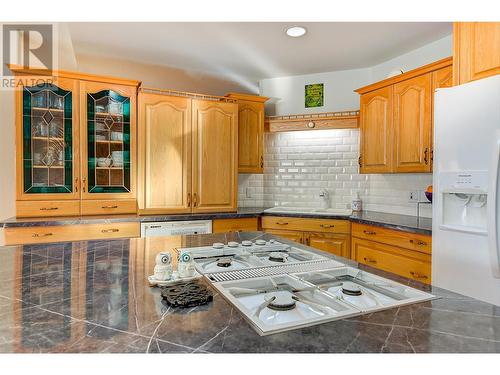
<point x="296" y="31"/>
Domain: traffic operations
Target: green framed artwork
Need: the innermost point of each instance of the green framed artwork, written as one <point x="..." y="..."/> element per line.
<point x="314" y="95"/>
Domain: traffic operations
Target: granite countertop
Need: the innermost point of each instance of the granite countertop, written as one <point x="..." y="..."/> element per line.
<point x="93" y="297"/>
<point x="394" y="221"/>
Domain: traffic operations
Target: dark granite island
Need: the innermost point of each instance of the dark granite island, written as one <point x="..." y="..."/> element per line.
<point x="94" y="297"/>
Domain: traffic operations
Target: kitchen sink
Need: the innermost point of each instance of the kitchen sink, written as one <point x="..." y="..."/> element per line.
<point x="305" y="210"/>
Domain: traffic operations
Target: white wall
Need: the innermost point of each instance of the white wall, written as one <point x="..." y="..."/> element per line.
<point x="287" y="93"/>
<point x="434" y="51"/>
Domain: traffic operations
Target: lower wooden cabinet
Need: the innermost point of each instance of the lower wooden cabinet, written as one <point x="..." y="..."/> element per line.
<point x="84" y="232"/>
<point x="402" y="253"/>
<point x="288" y="234"/>
<point x="247" y="224"/>
<point x="337" y="244"/>
<point x="332" y="236"/>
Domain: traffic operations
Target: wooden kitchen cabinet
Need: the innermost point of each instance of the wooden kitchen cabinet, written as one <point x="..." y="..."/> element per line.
<point x="84" y="232"/>
<point x="165" y="142"/>
<point x="402" y="253"/>
<point x="396" y="120"/>
<point x="476" y="51"/>
<point x="215" y="156"/>
<point x="376" y="131"/>
<point x="108" y="132"/>
<point x="250" y="132"/>
<point x="412" y="124"/>
<point x="337" y="244"/>
<point x="187" y="153"/>
<point x="288" y="234"/>
<point x="330" y="235"/>
<point x="246" y="224"/>
<point x="64" y="125"/>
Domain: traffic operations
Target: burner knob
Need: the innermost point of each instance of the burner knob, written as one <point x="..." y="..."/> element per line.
<point x="272" y="241"/>
<point x="218" y="245"/>
<point x="233" y="244"/>
<point x="246" y="243"/>
<point x="260" y="242"/>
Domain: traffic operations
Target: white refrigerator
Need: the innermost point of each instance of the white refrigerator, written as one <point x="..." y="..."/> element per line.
<point x="466" y="198"/>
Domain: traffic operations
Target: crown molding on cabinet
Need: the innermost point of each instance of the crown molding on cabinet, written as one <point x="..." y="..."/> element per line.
<point x="21" y="70"/>
<point x="410" y="74"/>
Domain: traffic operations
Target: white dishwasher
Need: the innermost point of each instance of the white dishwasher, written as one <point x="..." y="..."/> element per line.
<point x="175" y="228"/>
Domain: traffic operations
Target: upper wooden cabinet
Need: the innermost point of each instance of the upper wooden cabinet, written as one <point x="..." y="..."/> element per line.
<point x="396" y="118"/>
<point x="412" y="124"/>
<point x="215" y="156"/>
<point x="476" y="51"/>
<point x="187" y="154"/>
<point x="250" y="132"/>
<point x="164" y="153"/>
<point x="376" y="131"/>
<point x="75" y="144"/>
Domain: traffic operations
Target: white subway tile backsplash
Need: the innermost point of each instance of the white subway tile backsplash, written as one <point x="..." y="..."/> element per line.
<point x="298" y="164"/>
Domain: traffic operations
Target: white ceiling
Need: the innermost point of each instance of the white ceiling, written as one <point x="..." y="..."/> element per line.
<point x="255" y="50"/>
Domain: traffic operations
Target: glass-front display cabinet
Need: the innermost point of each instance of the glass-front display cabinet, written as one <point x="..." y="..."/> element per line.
<point x="47" y="144"/>
<point x="75" y="144"/>
<point x="108" y="148"/>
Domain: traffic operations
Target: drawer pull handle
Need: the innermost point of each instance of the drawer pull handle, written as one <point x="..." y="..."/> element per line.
<point x="368" y="260"/>
<point x="417" y="275"/>
<point x="37" y="235"/>
<point x="49" y="208"/>
<point x="418" y="243"/>
<point x="109" y="206"/>
<point x="281" y="223"/>
<point x="326" y="225"/>
<point x="114" y="230"/>
<point x="370" y="232"/>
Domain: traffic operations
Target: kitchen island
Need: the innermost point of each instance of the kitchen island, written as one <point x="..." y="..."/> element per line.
<point x="93" y="296"/>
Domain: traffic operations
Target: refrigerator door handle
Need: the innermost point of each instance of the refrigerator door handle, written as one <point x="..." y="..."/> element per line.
<point x="493" y="209"/>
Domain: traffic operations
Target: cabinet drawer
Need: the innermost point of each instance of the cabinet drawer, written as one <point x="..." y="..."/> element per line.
<point x="410" y="264"/>
<point x="47" y="208"/>
<point x="411" y="241"/>
<point x="21" y="236"/>
<point x="109" y="207"/>
<point x="288" y="234"/>
<point x="247" y="224"/>
<point x="338" y="244"/>
<point x="306" y="225"/>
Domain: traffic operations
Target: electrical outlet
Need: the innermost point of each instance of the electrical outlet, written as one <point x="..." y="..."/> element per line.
<point x="413" y="196"/>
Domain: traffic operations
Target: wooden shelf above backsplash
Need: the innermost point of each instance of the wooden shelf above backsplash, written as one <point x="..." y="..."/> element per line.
<point x="313" y="121"/>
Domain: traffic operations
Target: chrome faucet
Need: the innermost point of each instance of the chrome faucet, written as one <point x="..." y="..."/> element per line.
<point x="325" y="198"/>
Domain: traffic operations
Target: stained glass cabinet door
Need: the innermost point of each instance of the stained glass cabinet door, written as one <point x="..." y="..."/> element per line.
<point x="47" y="162"/>
<point x="108" y="141"/>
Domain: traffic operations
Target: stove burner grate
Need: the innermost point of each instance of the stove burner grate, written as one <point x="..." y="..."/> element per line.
<point x="278" y="257"/>
<point x="186" y="294"/>
<point x="224" y="262"/>
<point x="281" y="302"/>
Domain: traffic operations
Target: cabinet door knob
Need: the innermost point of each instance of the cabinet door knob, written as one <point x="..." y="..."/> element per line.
<point x="76" y="184"/>
<point x="326" y="225"/>
<point x="416" y="275"/>
<point x="113" y="230"/>
<point x="49" y="208"/>
<point x="195" y="200"/>
<point x="109" y="207"/>
<point x="281" y="223"/>
<point x="262" y="161"/>
<point x="418" y="242"/>
<point x="369" y="232"/>
<point x="426" y="154"/>
<point x="84" y="180"/>
<point x="38" y="235"/>
<point x="368" y="260"/>
<point x="189" y="200"/>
